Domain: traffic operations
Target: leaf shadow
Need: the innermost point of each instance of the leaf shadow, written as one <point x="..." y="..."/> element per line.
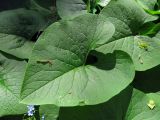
<point x="148" y="81"/>
<point x="101" y="60"/>
<point x="113" y="109"/>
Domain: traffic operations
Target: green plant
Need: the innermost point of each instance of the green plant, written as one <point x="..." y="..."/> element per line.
<point x="80" y="60"/>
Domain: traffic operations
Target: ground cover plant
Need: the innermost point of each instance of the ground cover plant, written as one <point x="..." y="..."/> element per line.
<point x="80" y="60"/>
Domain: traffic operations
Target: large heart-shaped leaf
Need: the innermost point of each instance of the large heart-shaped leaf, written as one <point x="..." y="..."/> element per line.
<point x="71" y="8"/>
<point x="11" y="77"/>
<point x="143" y="107"/>
<point x="59" y="72"/>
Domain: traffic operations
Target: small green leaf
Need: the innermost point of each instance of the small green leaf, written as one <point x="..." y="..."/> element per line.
<point x="103" y="3"/>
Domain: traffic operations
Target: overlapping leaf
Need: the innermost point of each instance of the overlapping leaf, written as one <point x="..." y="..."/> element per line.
<point x="128" y="17"/>
<point x="70" y="9"/>
<point x="11" y="78"/>
<point x="143" y="50"/>
<point x="145" y="105"/>
<point x="140" y="109"/>
<point x="19" y="26"/>
<point x="15" y="45"/>
<point x="47" y="8"/>
<point x="103" y="3"/>
<point x="147" y="4"/>
<point x="21" y="22"/>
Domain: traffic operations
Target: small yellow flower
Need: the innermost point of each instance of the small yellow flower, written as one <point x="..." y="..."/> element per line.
<point x="151" y="104"/>
<point x="143" y="45"/>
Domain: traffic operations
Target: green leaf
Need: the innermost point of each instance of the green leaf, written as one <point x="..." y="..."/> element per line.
<point x="59" y="73"/>
<point x="157" y="36"/>
<point x="21" y="22"/>
<point x="150" y="29"/>
<point x="70" y="9"/>
<point x="50" y="112"/>
<point x="139" y="107"/>
<point x="47" y="8"/>
<point x="153" y="12"/>
<point x="17" y="28"/>
<point x="11" y="77"/>
<point x="15" y="45"/>
<point x="128" y="17"/>
<point x="114" y="109"/>
<point x="148" y="82"/>
<point x="147" y="4"/>
<point x="103" y="3"/>
<point x="143" y="50"/>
